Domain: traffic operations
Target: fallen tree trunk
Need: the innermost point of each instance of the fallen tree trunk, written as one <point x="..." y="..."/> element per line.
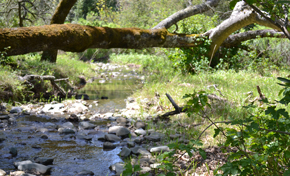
<point x="77" y="38"/>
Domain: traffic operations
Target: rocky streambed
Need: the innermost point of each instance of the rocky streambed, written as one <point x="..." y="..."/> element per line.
<point x="77" y="137"/>
<point x="92" y="137"/>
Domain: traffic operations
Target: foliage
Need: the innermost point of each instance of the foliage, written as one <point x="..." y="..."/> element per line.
<point x="167" y="159"/>
<point x="273" y="7"/>
<point x="196" y="59"/>
<point x="67" y="66"/>
<point x="4" y="60"/>
<point x="158" y="67"/>
<point x="9" y="82"/>
<point x="191" y="60"/>
<point x="129" y="170"/>
<point x="262" y="139"/>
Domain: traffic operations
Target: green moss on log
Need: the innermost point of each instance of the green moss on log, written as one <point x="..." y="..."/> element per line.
<point x="77" y="38"/>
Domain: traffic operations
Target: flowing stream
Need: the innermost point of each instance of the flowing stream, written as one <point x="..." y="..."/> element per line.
<point x="33" y="138"/>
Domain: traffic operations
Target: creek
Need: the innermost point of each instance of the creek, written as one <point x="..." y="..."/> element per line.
<point x="36" y="134"/>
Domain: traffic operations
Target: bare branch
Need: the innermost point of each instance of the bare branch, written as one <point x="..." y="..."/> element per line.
<point x="185" y="13"/>
<point x="276" y="131"/>
<point x="270" y="20"/>
<point x="236" y="39"/>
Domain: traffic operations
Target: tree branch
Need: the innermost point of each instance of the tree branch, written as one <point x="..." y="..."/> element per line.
<point x="285" y="31"/>
<point x="185" y="13"/>
<point x="27" y="78"/>
<point x="236" y="39"/>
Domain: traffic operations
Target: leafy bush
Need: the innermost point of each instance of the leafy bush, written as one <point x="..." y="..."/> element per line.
<point x="262" y="139"/>
<point x="191" y="60"/>
<point x="195" y="60"/>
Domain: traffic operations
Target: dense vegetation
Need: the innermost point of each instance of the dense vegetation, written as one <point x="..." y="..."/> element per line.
<point x="259" y="131"/>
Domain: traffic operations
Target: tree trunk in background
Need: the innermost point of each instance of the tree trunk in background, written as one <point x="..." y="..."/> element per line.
<point x="58" y="17"/>
<point x="19" y="14"/>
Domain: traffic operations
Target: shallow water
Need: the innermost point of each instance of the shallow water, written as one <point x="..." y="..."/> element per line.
<point x="71" y="154"/>
<point x="111" y="93"/>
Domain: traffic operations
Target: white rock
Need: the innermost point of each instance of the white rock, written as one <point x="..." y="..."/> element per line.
<point x="140" y="131"/>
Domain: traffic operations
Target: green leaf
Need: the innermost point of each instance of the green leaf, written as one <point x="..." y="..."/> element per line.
<point x="253" y="125"/>
<point x="146" y="174"/>
<point x="202" y="153"/>
<point x="233" y="3"/>
<point x="286" y="173"/>
<point x="128" y="170"/>
<point x="137" y="168"/>
<point x="196" y="142"/>
<point x="283" y="2"/>
<point x="216" y="132"/>
<point x="287" y="154"/>
<point x="283" y="80"/>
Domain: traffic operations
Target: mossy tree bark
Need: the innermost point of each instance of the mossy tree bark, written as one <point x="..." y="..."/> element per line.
<point x="77" y="38"/>
<point x="58" y="17"/>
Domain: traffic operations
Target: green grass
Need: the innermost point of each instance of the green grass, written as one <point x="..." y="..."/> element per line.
<point x="162" y="78"/>
<point x="67" y="66"/>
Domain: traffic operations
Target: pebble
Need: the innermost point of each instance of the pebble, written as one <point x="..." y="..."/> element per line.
<point x="13" y="151"/>
<point x="159" y="149"/>
<point x="140" y="131"/>
<point x="112" y="137"/>
<point x="16" y="110"/>
<point x="2" y="172"/>
<point x="109" y="145"/>
<point x="125" y="152"/>
<point x="122" y="132"/>
<point x="44" y="160"/>
<point x="85" y="173"/>
<point x="140" y="124"/>
<point x="118" y="168"/>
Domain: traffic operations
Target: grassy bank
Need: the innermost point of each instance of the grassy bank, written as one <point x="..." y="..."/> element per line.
<point x="67" y="66"/>
<point x="162" y="78"/>
<point x="234" y="87"/>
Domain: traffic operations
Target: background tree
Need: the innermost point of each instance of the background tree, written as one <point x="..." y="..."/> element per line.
<point x="21" y="13"/>
<point x="58" y="17"/>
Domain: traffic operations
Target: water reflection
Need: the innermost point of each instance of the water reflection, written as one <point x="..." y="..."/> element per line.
<point x="111" y="94"/>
